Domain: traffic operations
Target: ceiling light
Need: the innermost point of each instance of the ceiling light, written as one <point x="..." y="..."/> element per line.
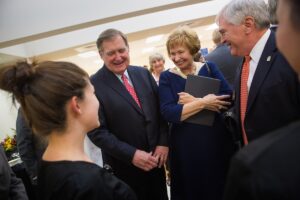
<point x="154" y="38"/>
<point x="98" y="62"/>
<point x="212" y="27"/>
<point x="148" y="50"/>
<point x="87" y="54"/>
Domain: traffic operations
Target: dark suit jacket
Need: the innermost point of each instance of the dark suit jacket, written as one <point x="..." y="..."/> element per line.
<point x="124" y="126"/>
<point x="268" y="168"/>
<point x="227" y="63"/>
<point x="274" y="97"/>
<point x="11" y="187"/>
<point x="30" y="146"/>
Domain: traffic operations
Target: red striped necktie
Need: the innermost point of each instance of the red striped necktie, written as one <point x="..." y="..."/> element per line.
<point x="244" y="94"/>
<point x="130" y="89"/>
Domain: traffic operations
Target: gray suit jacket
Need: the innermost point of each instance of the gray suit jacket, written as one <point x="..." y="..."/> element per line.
<point x="227" y="63"/>
<point x="30" y="146"/>
<point x="11" y="187"/>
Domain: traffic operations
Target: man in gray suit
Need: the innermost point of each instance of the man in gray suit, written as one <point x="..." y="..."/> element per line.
<point x="223" y="59"/>
<point x="30" y="146"/>
<point x="11" y="187"/>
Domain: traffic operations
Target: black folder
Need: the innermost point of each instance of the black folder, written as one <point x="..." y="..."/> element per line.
<point x="200" y="86"/>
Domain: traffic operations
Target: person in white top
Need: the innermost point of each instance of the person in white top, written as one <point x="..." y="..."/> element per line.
<point x="157" y="62"/>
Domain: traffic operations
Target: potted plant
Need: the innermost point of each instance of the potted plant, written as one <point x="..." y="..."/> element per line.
<point x="9" y="144"/>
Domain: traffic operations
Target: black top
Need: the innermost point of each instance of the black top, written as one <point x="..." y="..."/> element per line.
<point x="79" y="180"/>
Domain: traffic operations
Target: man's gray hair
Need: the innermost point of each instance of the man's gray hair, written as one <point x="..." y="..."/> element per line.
<point x="236" y="11"/>
<point x="272" y="6"/>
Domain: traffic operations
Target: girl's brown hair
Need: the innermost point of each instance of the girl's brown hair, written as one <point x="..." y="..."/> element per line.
<point x="43" y="91"/>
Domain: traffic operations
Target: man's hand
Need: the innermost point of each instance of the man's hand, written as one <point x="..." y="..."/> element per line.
<point x="145" y="161"/>
<point x="161" y="153"/>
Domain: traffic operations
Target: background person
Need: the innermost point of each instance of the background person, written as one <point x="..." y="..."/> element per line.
<point x="133" y="136"/>
<point x="199" y="154"/>
<point x="267" y="92"/>
<point x="11" y="187"/>
<point x="64" y="110"/>
<point x="30" y="147"/>
<point x="221" y="56"/>
<point x="157" y="62"/>
<point x="269" y="168"/>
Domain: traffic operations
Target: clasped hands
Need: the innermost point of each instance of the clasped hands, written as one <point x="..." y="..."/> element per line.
<point x="210" y="102"/>
<point x="147" y="161"/>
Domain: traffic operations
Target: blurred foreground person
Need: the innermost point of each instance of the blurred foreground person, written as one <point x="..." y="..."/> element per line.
<point x="58" y="102"/>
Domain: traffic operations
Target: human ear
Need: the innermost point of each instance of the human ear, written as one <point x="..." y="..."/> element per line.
<point x="74" y="104"/>
<point x="249" y="23"/>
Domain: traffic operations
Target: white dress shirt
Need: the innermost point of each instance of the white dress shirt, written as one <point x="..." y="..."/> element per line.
<point x="255" y="55"/>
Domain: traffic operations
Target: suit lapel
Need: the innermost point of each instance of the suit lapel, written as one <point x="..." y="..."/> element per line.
<point x="237" y="89"/>
<point x="263" y="67"/>
<point x="113" y="82"/>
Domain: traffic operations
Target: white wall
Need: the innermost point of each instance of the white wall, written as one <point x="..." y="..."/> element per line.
<point x="8" y="115"/>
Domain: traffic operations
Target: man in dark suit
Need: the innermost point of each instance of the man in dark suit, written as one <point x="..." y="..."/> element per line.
<point x="11" y="187"/>
<point x="221" y="56"/>
<point x="267" y="89"/>
<point x="30" y="146"/>
<point x="269" y="168"/>
<point x="132" y="136"/>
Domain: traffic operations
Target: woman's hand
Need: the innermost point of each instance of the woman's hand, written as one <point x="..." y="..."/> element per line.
<point x="216" y="103"/>
<point x="185" y="98"/>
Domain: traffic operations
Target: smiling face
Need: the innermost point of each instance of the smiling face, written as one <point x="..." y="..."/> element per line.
<point x="181" y="57"/>
<point x="115" y="54"/>
<point x="157" y="65"/>
<point x="287" y="36"/>
<point x="234" y="36"/>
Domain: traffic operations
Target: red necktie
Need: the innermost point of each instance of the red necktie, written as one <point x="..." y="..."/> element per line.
<point x="131" y="90"/>
<point x="244" y="94"/>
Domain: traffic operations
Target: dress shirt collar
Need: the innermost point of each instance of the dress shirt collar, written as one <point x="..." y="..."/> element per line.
<point x="257" y="50"/>
<point x="127" y="76"/>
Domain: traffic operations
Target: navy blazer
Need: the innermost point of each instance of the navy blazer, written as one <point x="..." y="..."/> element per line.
<point x="274" y="97"/>
<point x="226" y="63"/>
<point x="126" y="127"/>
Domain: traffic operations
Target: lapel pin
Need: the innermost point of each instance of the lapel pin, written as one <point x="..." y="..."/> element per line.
<point x="268" y="58"/>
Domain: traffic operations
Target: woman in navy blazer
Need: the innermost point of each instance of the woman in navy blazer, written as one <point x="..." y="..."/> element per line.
<point x="199" y="154"/>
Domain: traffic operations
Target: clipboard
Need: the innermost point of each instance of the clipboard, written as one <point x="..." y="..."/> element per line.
<point x="200" y="86"/>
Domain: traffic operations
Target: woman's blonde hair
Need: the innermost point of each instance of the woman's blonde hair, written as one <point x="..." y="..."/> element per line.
<point x="186" y="36"/>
